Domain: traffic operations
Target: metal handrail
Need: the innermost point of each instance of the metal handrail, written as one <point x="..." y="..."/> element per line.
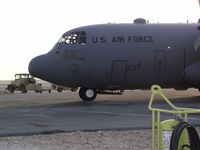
<point x="156" y="90"/>
<point x="156" y="121"/>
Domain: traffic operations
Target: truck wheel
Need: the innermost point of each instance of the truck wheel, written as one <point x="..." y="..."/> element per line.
<point x="11" y="88"/>
<point x="87" y="94"/>
<point x="23" y="88"/>
<point x="60" y="89"/>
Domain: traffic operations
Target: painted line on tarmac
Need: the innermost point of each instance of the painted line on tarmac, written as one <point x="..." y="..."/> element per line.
<point x="36" y="115"/>
<point x="128" y="114"/>
<point x="110" y="113"/>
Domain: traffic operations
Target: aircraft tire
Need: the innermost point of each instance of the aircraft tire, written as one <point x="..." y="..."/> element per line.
<point x="87" y="94"/>
<point x="60" y="89"/>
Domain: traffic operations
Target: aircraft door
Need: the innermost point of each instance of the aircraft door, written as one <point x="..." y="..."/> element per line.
<point x="169" y="65"/>
<point x="118" y="73"/>
<point x="160" y="61"/>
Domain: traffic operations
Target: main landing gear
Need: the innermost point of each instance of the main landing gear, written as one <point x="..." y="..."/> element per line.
<point x="87" y="94"/>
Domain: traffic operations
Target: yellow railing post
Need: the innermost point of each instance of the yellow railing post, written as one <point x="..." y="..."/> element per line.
<point x="153" y="130"/>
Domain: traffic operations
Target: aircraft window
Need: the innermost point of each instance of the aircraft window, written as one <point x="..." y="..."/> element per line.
<point x="74" y="38"/>
<point x="62" y="39"/>
<point x="82" y="38"/>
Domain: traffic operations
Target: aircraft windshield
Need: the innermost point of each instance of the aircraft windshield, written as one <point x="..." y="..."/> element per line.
<point x="74" y="38"/>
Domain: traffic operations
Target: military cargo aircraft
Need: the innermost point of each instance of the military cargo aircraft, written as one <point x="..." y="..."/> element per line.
<point x="110" y="58"/>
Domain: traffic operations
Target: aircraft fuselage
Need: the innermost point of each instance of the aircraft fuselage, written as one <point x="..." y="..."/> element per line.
<point x="123" y="56"/>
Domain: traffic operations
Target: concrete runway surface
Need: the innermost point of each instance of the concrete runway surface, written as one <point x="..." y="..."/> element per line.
<point x="35" y="113"/>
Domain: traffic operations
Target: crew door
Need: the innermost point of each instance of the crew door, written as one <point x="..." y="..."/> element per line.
<point x="169" y="65"/>
<point x="118" y="73"/>
<point x="160" y="64"/>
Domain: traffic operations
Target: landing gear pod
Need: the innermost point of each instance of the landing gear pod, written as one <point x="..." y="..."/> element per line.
<point x="87" y="94"/>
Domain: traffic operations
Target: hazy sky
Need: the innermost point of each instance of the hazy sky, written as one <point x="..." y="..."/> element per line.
<point x="31" y="27"/>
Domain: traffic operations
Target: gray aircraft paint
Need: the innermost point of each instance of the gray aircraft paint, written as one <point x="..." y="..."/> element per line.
<point x="125" y="56"/>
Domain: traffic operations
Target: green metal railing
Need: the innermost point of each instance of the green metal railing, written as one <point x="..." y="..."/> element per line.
<point x="157" y="143"/>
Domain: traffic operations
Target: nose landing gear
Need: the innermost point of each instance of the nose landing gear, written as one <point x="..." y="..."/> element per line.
<point x="87" y="94"/>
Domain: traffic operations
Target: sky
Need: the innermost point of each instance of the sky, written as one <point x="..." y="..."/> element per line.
<point x="32" y="27"/>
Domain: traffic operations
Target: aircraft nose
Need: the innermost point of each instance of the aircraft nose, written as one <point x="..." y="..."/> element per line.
<point x="37" y="66"/>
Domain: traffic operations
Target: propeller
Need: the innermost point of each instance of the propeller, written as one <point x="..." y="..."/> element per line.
<point x="196" y="44"/>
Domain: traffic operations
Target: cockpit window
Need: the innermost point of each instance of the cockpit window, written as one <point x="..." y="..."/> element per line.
<point x="82" y="38"/>
<point x="78" y="37"/>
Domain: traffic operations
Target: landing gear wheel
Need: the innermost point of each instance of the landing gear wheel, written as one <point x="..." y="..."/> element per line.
<point x="87" y="94"/>
<point x="60" y="89"/>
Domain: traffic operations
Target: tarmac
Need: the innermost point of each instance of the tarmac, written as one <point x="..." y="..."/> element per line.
<point x="35" y="113"/>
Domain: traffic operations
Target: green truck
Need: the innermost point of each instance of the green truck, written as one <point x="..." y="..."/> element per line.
<point x="25" y="82"/>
